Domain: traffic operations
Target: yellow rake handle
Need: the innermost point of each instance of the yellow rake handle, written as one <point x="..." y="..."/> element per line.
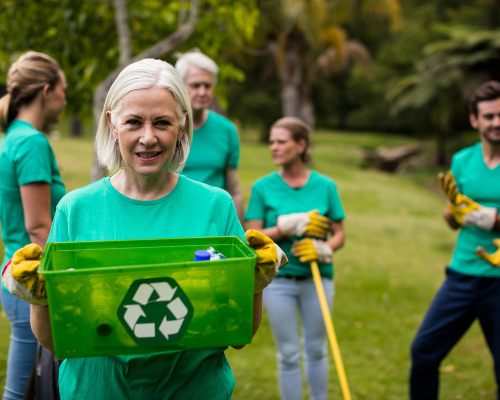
<point x="334" y="346"/>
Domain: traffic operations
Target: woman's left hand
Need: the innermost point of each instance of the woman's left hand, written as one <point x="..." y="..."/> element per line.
<point x="308" y="250"/>
<point x="270" y="258"/>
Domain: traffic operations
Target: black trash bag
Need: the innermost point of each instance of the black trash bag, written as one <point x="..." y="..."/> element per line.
<point x="43" y="383"/>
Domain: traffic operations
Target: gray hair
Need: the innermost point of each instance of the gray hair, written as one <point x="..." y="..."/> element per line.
<point x="144" y="74"/>
<point x="196" y="59"/>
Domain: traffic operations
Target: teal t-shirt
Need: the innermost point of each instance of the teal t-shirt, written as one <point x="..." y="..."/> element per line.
<point x="215" y="147"/>
<point x="99" y="212"/>
<point x="271" y="197"/>
<point x="25" y="157"/>
<point x="482" y="184"/>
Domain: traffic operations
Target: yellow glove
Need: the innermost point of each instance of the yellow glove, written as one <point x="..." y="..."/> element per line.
<point x="449" y="186"/>
<point x="493" y="259"/>
<point x="463" y="209"/>
<point x="21" y="278"/>
<point x="311" y="224"/>
<point x="270" y="258"/>
<point x="308" y="250"/>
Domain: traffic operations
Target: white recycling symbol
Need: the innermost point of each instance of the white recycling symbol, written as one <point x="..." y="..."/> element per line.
<point x="142" y="297"/>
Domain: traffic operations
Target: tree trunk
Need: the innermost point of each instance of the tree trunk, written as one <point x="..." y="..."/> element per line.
<point x="75" y="125"/>
<point x="184" y="31"/>
<point x="121" y="21"/>
<point x="296" y="98"/>
<point x="307" y="106"/>
<point x="291" y="79"/>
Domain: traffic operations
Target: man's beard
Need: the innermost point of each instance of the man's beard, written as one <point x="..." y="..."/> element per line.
<point x="494" y="141"/>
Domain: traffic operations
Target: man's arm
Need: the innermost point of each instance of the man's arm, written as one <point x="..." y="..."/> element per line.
<point x="233" y="187"/>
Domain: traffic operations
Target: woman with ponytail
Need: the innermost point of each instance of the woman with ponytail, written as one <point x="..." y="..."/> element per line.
<point x="30" y="188"/>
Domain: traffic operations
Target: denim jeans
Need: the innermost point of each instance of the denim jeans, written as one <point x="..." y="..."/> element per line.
<point x="284" y="299"/>
<point x="22" y="348"/>
<point x="461" y="300"/>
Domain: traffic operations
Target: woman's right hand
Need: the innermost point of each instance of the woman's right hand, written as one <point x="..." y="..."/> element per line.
<point x="20" y="275"/>
<point x="311" y="224"/>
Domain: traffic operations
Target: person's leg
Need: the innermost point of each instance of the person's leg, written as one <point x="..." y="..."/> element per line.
<point x="488" y="310"/>
<point x="22" y="348"/>
<point x="280" y="300"/>
<point x="315" y="336"/>
<point x="448" y="318"/>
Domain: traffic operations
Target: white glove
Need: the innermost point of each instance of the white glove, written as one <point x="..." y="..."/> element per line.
<point x="19" y="290"/>
<point x="311" y="223"/>
<point x="484" y="218"/>
<point x="308" y="250"/>
<point x="20" y="275"/>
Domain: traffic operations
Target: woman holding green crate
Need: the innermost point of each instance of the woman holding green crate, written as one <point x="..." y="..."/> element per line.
<point x="144" y="137"/>
<point x="301" y="210"/>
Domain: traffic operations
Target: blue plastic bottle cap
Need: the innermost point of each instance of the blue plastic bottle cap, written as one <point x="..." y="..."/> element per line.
<point x="201" y="255"/>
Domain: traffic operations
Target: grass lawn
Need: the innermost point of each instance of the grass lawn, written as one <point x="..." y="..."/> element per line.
<point x="397" y="247"/>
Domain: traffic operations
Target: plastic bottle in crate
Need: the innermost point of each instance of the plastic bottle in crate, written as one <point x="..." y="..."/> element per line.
<point x="208" y="254"/>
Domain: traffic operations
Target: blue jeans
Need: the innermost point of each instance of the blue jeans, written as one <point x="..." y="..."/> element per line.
<point x="458" y="303"/>
<point x="22" y="348"/>
<point x="284" y="299"/>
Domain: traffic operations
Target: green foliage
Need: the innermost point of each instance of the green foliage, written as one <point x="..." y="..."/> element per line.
<point x="223" y="32"/>
<point x="255" y="108"/>
<point x="71" y="32"/>
<point x="450" y="68"/>
<point x="82" y="36"/>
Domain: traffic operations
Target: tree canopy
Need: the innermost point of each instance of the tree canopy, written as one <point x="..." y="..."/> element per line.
<point x="370" y="64"/>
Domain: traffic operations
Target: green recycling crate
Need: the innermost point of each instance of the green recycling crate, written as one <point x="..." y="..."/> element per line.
<point x="140" y="296"/>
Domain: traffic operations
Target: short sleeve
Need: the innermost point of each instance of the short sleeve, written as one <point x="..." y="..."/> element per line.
<point x="336" y="210"/>
<point x="33" y="160"/>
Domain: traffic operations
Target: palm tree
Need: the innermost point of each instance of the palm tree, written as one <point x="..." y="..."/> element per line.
<point x="449" y="69"/>
<point x="306" y="39"/>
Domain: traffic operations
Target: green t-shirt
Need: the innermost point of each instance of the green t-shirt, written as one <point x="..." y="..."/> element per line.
<point x="482" y="184"/>
<point x="99" y="212"/>
<point x="215" y="147"/>
<point x="25" y="157"/>
<point x="271" y="197"/>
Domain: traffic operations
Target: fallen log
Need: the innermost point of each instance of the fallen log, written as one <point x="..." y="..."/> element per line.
<point x="390" y="159"/>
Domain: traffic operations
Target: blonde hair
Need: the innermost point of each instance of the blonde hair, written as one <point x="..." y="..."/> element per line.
<point x="25" y="78"/>
<point x="299" y="130"/>
<point x="144" y="74"/>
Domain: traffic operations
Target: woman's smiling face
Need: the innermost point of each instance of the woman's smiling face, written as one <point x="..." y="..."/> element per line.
<point x="147" y="129"/>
